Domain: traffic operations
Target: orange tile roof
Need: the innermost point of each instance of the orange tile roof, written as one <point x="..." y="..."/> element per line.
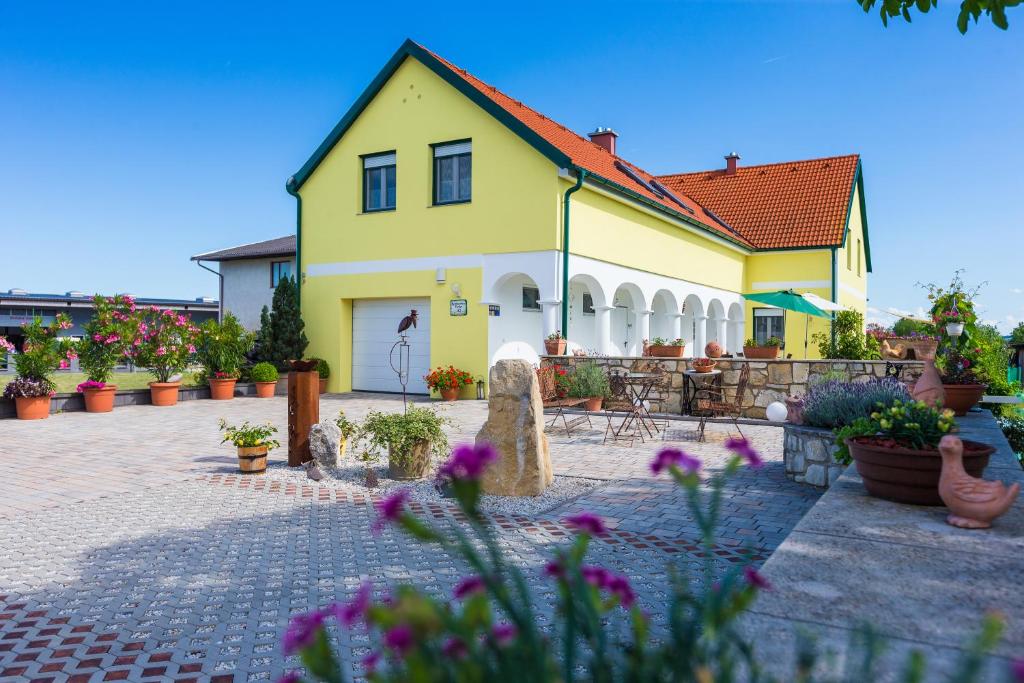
<point x="775" y="206"/>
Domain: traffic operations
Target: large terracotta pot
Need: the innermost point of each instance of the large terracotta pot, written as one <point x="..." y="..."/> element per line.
<point x="905" y="475"/>
<point x="593" y="404"/>
<point x="416" y="463"/>
<point x="703" y="367"/>
<point x="265" y="389"/>
<point x="32" y="407"/>
<point x="962" y="397"/>
<point x="450" y="394"/>
<point x="222" y="389"/>
<point x="795" y="410"/>
<point x="164" y="393"/>
<point x="323" y="385"/>
<point x="99" y="400"/>
<point x="666" y="351"/>
<point x="252" y="459"/>
<point x="760" y="352"/>
<point x="554" y="347"/>
<point x="713" y="350"/>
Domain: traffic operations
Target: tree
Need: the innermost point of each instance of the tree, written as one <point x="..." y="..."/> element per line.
<point x="261" y="352"/>
<point x="1017" y="336"/>
<point x="848" y="340"/>
<point x="286" y="339"/>
<point x="906" y="327"/>
<point x="969" y="9"/>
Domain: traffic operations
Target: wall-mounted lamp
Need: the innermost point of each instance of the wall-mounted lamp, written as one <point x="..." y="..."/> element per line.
<point x="457" y="289"/>
<point x="440" y="275"/>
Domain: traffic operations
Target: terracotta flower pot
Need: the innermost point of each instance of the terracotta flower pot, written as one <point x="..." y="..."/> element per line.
<point x="323" y="385"/>
<point x="760" y="352"/>
<point x="906" y="475"/>
<point x="415" y="465"/>
<point x="164" y="393"/>
<point x="32" y="407"/>
<point x="909" y="349"/>
<point x="666" y="351"/>
<point x="265" y="389"/>
<point x="713" y="350"/>
<point x="962" y="397"/>
<point x="222" y="389"/>
<point x="450" y="394"/>
<point x="252" y="459"/>
<point x="593" y="404"/>
<point x="703" y="367"/>
<point x="554" y="347"/>
<point x="99" y="400"/>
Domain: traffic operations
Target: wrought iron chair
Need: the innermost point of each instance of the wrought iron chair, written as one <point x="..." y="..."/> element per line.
<point x="620" y="402"/>
<point x="551" y="400"/>
<point x="711" y="401"/>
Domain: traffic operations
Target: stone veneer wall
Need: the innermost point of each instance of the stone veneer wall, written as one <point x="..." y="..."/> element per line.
<point x="770" y="380"/>
<point x="808" y="453"/>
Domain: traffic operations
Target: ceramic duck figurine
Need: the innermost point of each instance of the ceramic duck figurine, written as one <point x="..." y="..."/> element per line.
<point x="973" y="503"/>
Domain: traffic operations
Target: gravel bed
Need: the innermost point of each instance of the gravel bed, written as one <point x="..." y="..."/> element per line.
<point x="350" y="476"/>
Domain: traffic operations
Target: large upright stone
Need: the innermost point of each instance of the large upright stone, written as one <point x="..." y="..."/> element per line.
<point x="325" y="443"/>
<point x="515" y="426"/>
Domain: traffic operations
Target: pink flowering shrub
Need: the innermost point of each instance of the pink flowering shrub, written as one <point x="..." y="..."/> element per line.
<point x="43" y="353"/>
<point x="109" y="336"/>
<point x="165" y="343"/>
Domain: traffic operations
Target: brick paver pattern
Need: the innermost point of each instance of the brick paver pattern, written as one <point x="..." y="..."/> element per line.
<point x="132" y="550"/>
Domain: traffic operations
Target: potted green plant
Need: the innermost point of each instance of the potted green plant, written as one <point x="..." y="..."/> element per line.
<point x="42" y="354"/>
<point x="589" y="381"/>
<point x="664" y="348"/>
<point x="766" y="351"/>
<point x="348" y="429"/>
<point x="221" y="348"/>
<point x="448" y="381"/>
<point x="166" y="345"/>
<point x="554" y="345"/>
<point x="896" y="451"/>
<point x="323" y="371"/>
<point x="106" y="336"/>
<point x="409" y="439"/>
<point x="252" y="442"/>
<point x="264" y="375"/>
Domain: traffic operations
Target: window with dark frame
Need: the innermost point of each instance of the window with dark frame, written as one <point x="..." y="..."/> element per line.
<point x="531" y="298"/>
<point x="379" y="182"/>
<point x="278" y="270"/>
<point x="768" y="323"/>
<point x="588" y="304"/>
<point x="453" y="172"/>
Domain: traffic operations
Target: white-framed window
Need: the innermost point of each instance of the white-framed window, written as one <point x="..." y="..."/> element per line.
<point x="379" y="182"/>
<point x="453" y="172"/>
<point x="768" y="323"/>
<point x="531" y="298"/>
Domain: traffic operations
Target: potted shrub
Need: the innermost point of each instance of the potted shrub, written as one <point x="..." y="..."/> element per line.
<point x="323" y="370"/>
<point x="961" y="385"/>
<point x="663" y="348"/>
<point x="348" y="430"/>
<point x="766" y="351"/>
<point x="264" y="375"/>
<point x="589" y="381"/>
<point x="448" y="381"/>
<point x="409" y="439"/>
<point x="554" y="345"/>
<point x="107" y="335"/>
<point x="166" y="344"/>
<point x="703" y="364"/>
<point x="42" y="354"/>
<point x="896" y="451"/>
<point x="252" y="443"/>
<point x="221" y="348"/>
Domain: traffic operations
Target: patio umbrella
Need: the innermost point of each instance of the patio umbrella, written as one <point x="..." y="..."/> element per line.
<point x="788" y="300"/>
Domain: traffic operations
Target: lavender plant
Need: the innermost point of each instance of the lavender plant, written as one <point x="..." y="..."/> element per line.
<point x="834" y="403"/>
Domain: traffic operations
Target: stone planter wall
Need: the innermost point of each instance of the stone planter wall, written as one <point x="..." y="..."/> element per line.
<point x="770" y="380"/>
<point x="808" y="453"/>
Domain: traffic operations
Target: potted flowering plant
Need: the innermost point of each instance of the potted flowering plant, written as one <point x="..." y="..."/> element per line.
<point x="554" y="345"/>
<point x="264" y="375"/>
<point x="951" y="320"/>
<point x="166" y="345"/>
<point x="408" y="438"/>
<point x="664" y="348"/>
<point x="220" y="349"/>
<point x="959" y="381"/>
<point x="252" y="443"/>
<point x="41" y="355"/>
<point x="448" y="381"/>
<point x="703" y="364"/>
<point x="766" y="351"/>
<point x="107" y="335"/>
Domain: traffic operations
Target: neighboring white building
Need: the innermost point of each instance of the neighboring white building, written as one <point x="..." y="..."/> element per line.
<point x="248" y="275"/>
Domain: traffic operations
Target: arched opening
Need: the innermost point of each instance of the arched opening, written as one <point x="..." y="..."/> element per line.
<point x="665" y="320"/>
<point x="628" y="327"/>
<point x="693" y="326"/>
<point x="518" y="329"/>
<point x="734" y="331"/>
<point x="716" y="323"/>
<point x="586" y="299"/>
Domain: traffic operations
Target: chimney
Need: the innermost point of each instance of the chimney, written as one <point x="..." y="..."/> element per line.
<point x="731" y="159"/>
<point x="604" y="137"/>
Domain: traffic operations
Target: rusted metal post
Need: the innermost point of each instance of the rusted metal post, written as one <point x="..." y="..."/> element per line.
<point x="303" y="413"/>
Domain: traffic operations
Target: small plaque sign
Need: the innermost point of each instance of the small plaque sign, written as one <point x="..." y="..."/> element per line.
<point x="458" y="307"/>
<point x="494" y="310"/>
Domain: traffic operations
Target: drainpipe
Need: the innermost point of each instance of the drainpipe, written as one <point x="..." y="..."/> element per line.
<point x="580" y="176"/>
<point x="835" y="279"/>
<point x="220" y="290"/>
<point x="290" y="186"/>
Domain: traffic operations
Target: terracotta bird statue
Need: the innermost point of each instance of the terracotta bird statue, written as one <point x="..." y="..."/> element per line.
<point x="973" y="503"/>
<point x="408" y="321"/>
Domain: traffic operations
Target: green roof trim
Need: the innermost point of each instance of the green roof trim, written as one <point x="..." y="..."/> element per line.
<point x="858" y="189"/>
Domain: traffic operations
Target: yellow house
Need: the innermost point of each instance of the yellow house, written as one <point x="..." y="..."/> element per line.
<point x="438" y="193"/>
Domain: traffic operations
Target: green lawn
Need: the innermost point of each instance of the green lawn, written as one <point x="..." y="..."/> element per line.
<point x="67" y="381"/>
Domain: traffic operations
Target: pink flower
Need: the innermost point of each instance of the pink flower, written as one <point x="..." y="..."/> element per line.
<point x="468" y="586"/>
<point x="619" y="587"/>
<point x="755" y="578"/>
<point x="597" y="577"/>
<point x="97" y="337"/>
<point x="504" y="634"/>
<point x="673" y="457"/>
<point x="160" y="351"/>
<point x="587" y="523"/>
<point x="351" y="612"/>
<point x="191" y="348"/>
<point x="64" y="365"/>
<point x="71" y="354"/>
<point x="454" y="648"/>
<point x="302" y="631"/>
<point x="743" y="448"/>
<point x="112" y="338"/>
<point x="468" y="461"/>
<point x="390" y="509"/>
<point x="554" y="570"/>
<point x="370" y="661"/>
<point x="399" y="639"/>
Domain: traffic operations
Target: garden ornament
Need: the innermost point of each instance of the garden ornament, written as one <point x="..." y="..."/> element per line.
<point x="401" y="349"/>
<point x="973" y="503"/>
<point x="408" y="321"/>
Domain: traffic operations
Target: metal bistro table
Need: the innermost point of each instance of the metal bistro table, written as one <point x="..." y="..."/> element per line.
<point x="693" y="382"/>
<point x="640" y="385"/>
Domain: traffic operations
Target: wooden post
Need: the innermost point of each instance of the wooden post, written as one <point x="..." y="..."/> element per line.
<point x="303" y="413"/>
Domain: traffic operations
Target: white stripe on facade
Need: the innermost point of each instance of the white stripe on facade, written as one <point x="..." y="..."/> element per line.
<point x="792" y="284"/>
<point x="394" y="265"/>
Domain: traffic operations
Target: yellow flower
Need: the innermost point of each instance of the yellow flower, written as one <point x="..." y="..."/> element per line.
<point x="885" y="424"/>
<point x="943" y="427"/>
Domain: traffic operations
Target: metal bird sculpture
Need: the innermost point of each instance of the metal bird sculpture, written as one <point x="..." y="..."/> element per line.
<point x="408" y="321"/>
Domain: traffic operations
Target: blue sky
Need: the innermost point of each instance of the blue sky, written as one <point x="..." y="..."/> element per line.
<point x="138" y="134"/>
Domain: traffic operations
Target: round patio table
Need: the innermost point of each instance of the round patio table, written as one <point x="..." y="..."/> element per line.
<point x="640" y="385"/>
<point x="693" y="382"/>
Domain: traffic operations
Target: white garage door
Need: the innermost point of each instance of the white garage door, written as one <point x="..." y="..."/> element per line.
<point x="374" y="331"/>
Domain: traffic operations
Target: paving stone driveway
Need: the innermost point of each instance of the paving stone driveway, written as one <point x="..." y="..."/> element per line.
<point x="132" y="551"/>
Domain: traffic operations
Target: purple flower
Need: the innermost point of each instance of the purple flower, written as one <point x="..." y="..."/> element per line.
<point x="588" y="523"/>
<point x="667" y="457"/>
<point x="468" y="461"/>
<point x="454" y="648"/>
<point x="1017" y="667"/>
<point x="595" y="576"/>
<point x="743" y="448"/>
<point x="370" y="661"/>
<point x="290" y="678"/>
<point x="301" y="631"/>
<point x="399" y="639"/>
<point x="468" y="586"/>
<point x="554" y="570"/>
<point x="349" y="613"/>
<point x="756" y="579"/>
<point x="619" y="586"/>
<point x="390" y="509"/>
<point x="504" y="634"/>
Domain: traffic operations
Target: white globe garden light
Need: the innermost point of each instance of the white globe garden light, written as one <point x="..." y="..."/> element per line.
<point x="776" y="411"/>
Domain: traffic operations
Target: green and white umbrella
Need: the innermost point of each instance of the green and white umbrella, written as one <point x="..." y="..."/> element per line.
<point x="788" y="300"/>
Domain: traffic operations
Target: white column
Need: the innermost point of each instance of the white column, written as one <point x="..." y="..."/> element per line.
<point x="552" y="312"/>
<point x="720" y="331"/>
<point x="643" y="329"/>
<point x="603" y="328"/>
<point x="676" y="325"/>
<point x="699" y="332"/>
